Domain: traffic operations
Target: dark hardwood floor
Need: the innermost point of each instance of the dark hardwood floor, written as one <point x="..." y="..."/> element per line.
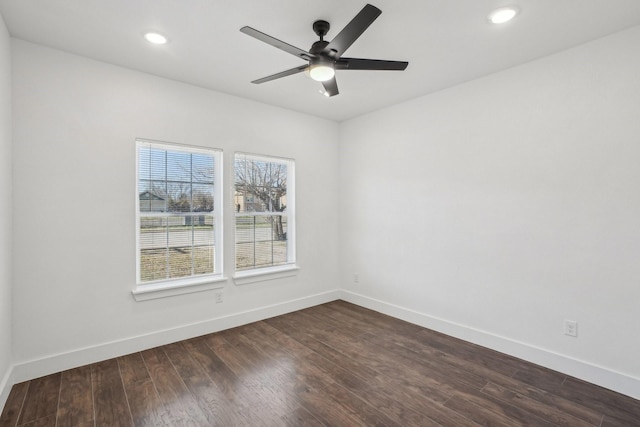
<point x="334" y="364"/>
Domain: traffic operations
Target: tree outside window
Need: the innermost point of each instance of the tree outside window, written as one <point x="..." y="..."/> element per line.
<point x="263" y="205"/>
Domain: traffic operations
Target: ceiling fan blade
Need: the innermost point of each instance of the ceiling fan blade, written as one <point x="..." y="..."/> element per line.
<point x="331" y="87"/>
<point x="281" y="74"/>
<point x="353" y="30"/>
<point x="369" y="64"/>
<point x="277" y="43"/>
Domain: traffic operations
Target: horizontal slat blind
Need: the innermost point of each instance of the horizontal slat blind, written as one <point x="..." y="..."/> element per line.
<point x="177" y="219"/>
<point x="263" y="208"/>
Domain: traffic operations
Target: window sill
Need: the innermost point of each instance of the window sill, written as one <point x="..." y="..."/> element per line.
<point x="264" y="274"/>
<point x="177" y="287"/>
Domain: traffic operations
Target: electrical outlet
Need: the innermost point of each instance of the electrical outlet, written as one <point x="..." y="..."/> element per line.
<point x="356" y="278"/>
<point x="219" y="297"/>
<point x="571" y="328"/>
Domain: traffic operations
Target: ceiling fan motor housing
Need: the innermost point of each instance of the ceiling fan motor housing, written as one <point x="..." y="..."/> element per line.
<point x="318" y="47"/>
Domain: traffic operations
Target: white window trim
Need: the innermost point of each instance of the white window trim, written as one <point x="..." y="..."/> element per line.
<point x="261" y="274"/>
<point x="170" y="287"/>
<point x="178" y="287"/>
<point x="255" y="275"/>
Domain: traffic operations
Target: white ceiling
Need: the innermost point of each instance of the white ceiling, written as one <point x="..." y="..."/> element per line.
<point x="446" y="42"/>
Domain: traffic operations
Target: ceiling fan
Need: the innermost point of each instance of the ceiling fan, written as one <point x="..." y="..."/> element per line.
<point x="325" y="57"/>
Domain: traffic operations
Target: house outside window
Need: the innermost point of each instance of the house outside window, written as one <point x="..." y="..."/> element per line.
<point x="264" y="213"/>
<point x="179" y="220"/>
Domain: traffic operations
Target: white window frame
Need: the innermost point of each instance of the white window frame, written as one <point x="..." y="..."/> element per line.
<point x="195" y="283"/>
<point x="289" y="268"/>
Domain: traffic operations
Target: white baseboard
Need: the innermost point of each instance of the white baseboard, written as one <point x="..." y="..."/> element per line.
<point x="31" y="369"/>
<point x="604" y="377"/>
<point x="5" y="386"/>
<point x="598" y="375"/>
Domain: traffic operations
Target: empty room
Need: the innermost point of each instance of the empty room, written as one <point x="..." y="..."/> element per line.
<point x="287" y="213"/>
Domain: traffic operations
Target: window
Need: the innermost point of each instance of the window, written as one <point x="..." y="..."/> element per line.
<point x="178" y="214"/>
<point x="264" y="213"/>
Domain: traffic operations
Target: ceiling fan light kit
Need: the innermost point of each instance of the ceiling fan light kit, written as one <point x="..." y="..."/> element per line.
<point x="324" y="58"/>
<point x="321" y="72"/>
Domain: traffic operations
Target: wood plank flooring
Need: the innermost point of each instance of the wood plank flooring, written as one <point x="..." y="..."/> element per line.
<point x="335" y="364"/>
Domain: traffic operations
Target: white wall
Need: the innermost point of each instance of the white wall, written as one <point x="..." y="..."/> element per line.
<point x="74" y="159"/>
<point x="492" y="211"/>
<point x="6" y="211"/>
<point x="496" y="209"/>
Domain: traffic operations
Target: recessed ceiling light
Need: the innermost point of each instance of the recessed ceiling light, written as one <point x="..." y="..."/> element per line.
<point x="155" y="38"/>
<point x="502" y="15"/>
